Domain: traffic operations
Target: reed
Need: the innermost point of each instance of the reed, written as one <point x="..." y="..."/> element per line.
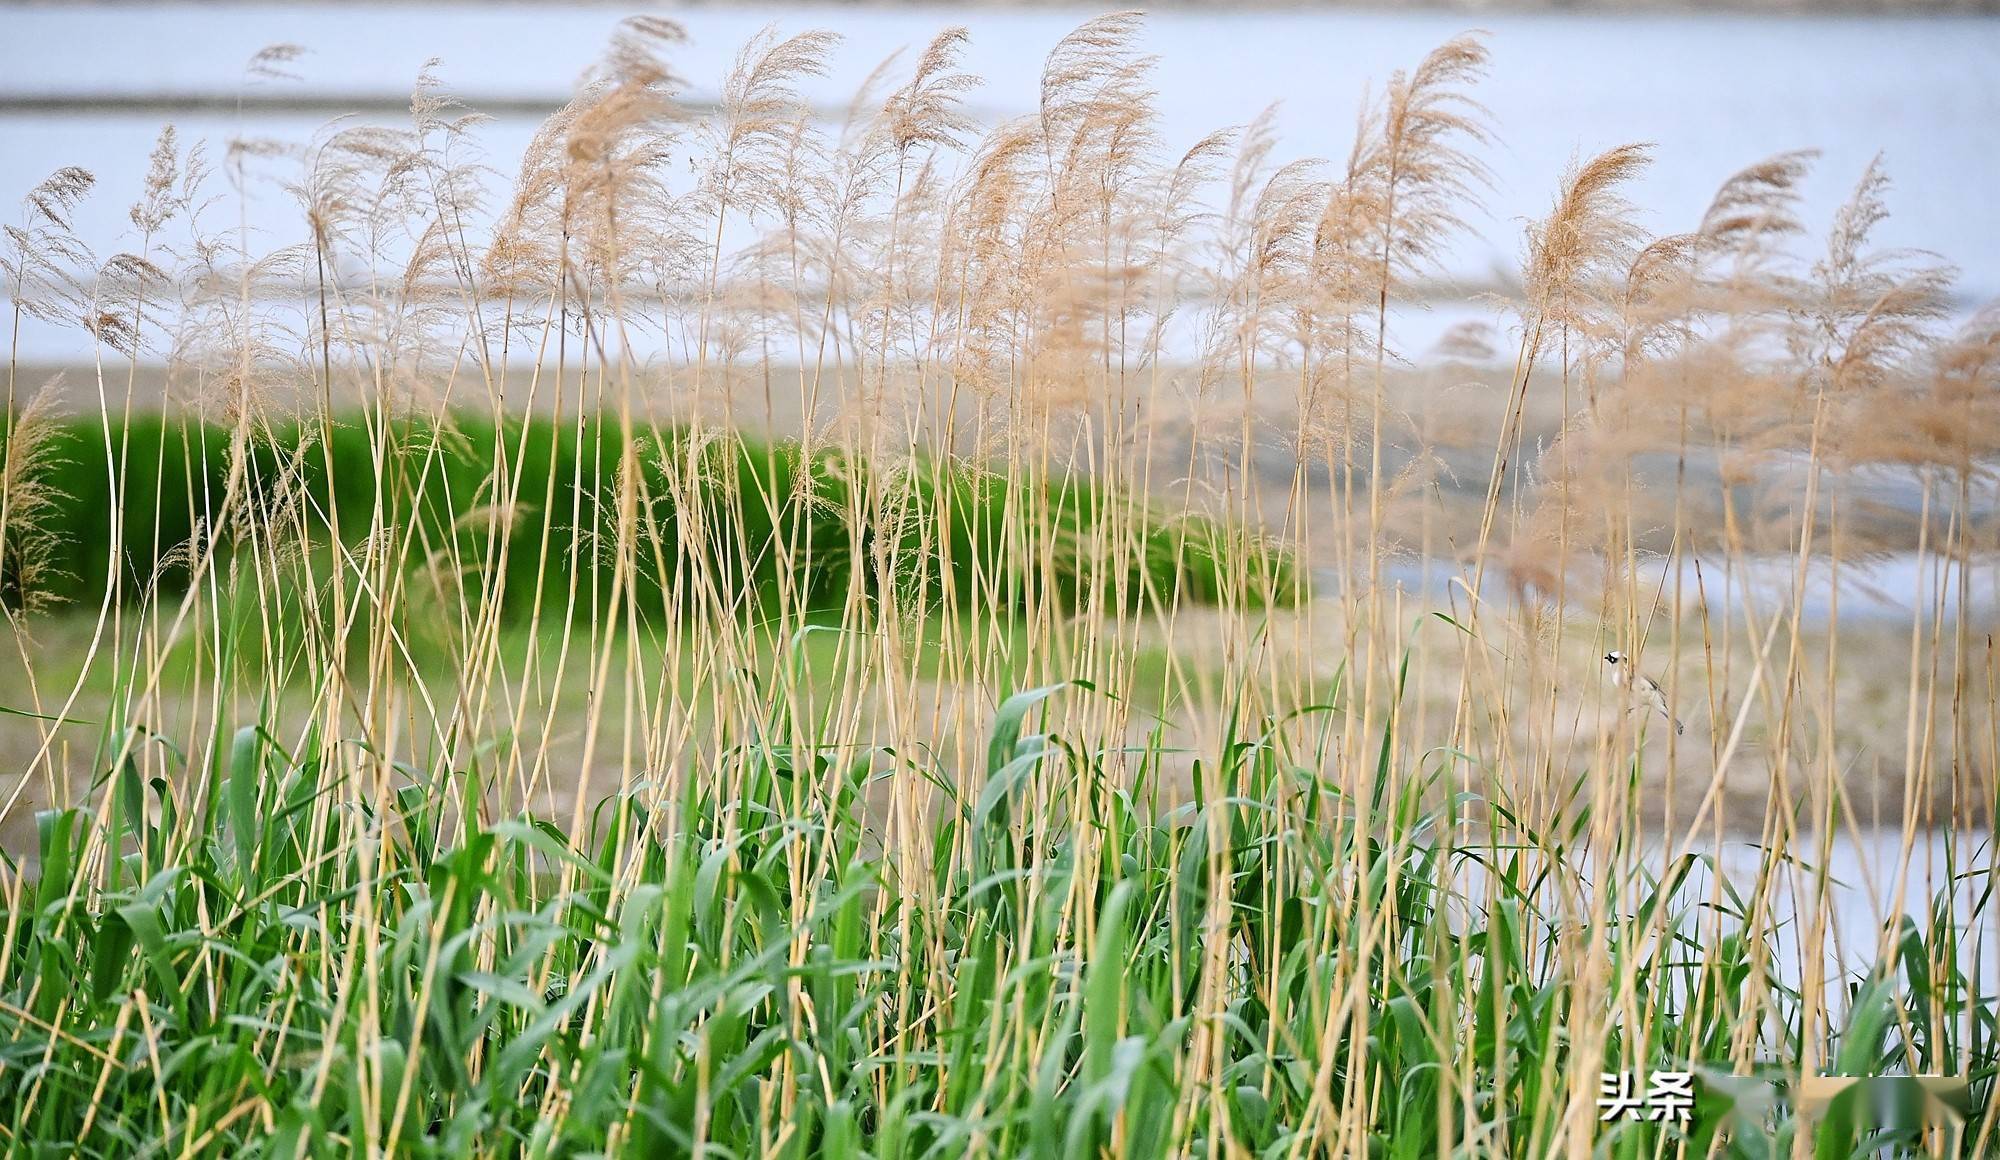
<point x="893" y="637"/>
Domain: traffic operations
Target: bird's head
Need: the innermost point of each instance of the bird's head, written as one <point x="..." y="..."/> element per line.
<point x="1614" y="659"/>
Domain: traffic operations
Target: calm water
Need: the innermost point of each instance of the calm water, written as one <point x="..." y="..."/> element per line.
<point x="1891" y="588"/>
<point x="1713" y="93"/>
<point x="1871" y="884"/>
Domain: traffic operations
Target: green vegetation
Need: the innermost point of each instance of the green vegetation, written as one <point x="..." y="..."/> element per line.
<point x="968" y="774"/>
<point x="505" y="502"/>
<point x="734" y="970"/>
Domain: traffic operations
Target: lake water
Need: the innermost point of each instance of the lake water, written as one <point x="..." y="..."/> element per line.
<point x="1891" y="588"/>
<point x="1712" y="92"/>
<point x="1871" y="883"/>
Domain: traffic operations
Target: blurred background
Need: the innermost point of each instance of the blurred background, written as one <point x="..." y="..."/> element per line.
<point x="1713" y="87"/>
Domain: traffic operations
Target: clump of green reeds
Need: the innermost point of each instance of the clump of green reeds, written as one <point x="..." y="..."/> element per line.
<point x="764" y="507"/>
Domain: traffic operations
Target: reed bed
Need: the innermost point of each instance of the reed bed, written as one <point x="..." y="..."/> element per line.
<point x="753" y="636"/>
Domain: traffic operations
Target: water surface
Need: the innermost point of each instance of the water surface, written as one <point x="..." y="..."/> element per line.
<point x="1711" y="92"/>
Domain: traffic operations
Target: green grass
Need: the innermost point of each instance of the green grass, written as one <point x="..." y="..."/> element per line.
<point x="263" y="959"/>
<point x="761" y="517"/>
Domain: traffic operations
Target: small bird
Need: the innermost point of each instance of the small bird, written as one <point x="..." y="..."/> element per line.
<point x="1644" y="690"/>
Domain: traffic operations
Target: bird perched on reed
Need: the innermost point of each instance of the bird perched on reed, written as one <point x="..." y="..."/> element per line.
<point x="1644" y="691"/>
